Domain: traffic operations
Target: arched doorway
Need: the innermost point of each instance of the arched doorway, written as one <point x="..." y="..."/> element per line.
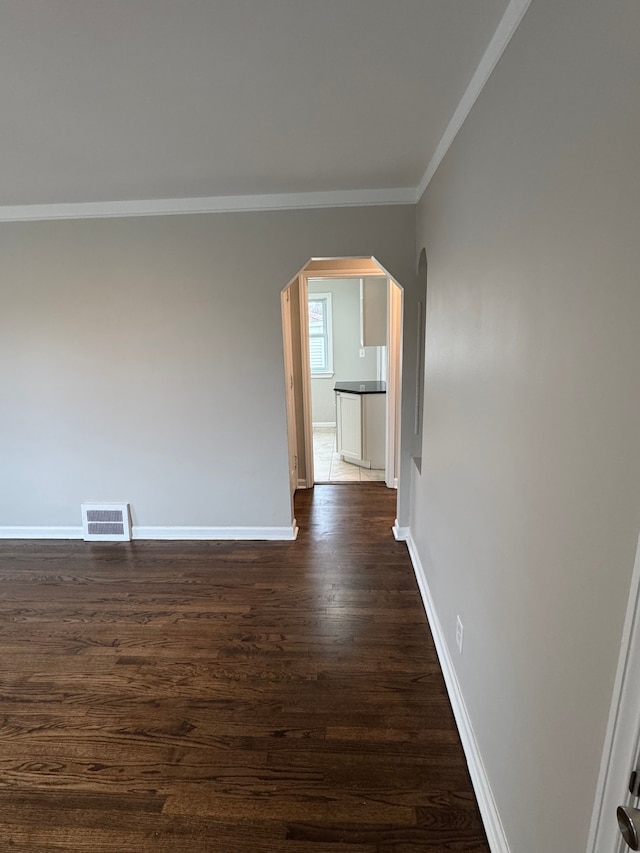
<point x="295" y="317"/>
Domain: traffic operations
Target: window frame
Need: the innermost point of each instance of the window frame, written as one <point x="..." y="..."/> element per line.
<point x="327" y="334"/>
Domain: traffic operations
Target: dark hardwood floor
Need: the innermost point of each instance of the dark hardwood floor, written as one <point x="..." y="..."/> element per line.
<point x="228" y="697"/>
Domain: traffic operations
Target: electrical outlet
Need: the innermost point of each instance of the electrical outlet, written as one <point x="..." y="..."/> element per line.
<point x="362" y="352"/>
<point x="459" y="633"/>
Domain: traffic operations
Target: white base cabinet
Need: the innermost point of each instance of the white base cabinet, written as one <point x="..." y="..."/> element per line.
<point x="360" y="428"/>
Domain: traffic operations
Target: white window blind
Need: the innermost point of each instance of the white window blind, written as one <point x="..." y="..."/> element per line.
<point x="320" y="343"/>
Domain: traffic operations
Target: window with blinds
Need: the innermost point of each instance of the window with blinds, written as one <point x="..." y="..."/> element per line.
<point x="320" y="342"/>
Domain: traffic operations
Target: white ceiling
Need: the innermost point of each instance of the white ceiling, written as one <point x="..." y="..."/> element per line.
<point x="111" y="100"/>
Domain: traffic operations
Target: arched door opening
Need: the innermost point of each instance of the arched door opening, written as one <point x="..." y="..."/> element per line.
<point x="350" y="388"/>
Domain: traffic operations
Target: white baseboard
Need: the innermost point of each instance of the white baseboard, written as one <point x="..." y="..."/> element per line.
<point x="41" y="532"/>
<point x="486" y="801"/>
<point x="169" y="533"/>
<point x="324" y="424"/>
<point x="400" y="533"/>
<point x="217" y="533"/>
<point x="302" y="484"/>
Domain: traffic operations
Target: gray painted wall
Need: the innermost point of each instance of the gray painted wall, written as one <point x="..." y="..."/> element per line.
<point x="527" y="512"/>
<point x="141" y="359"/>
<point x="347" y="364"/>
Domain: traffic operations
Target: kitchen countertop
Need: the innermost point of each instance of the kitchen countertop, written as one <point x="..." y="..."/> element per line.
<point x="366" y="387"/>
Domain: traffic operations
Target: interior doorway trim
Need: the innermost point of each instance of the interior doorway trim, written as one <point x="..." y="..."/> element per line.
<point x="354" y="267"/>
<point x="306" y="380"/>
<point x="395" y="311"/>
<point x="622" y="739"/>
<point x="289" y="373"/>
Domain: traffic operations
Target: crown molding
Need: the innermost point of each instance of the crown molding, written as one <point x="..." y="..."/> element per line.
<point x="211" y="204"/>
<point x="509" y="23"/>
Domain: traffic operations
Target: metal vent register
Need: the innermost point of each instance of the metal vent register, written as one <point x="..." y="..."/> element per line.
<point x="106" y="522"/>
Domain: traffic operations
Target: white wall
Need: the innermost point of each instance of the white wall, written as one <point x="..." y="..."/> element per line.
<point x="347" y="364"/>
<point x="141" y="360"/>
<point x="527" y="512"/>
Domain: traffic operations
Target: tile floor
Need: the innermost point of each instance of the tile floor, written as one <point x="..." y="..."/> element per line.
<point x="329" y="468"/>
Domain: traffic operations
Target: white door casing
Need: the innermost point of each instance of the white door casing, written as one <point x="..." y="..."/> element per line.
<point x="394" y="385"/>
<point x="306" y="380"/>
<point x="292" y="441"/>
<point x="622" y="741"/>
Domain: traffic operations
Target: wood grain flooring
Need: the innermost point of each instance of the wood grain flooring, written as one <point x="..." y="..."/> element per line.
<point x="275" y="697"/>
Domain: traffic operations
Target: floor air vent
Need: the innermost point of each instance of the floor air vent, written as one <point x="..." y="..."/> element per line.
<point x="106" y="522"/>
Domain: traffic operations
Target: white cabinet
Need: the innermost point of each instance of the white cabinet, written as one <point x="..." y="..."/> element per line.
<point x="349" y="426"/>
<point x="373" y="311"/>
<point x="361" y="428"/>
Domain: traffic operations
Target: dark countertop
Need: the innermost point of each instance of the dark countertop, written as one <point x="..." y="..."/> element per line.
<point x="367" y="387"/>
